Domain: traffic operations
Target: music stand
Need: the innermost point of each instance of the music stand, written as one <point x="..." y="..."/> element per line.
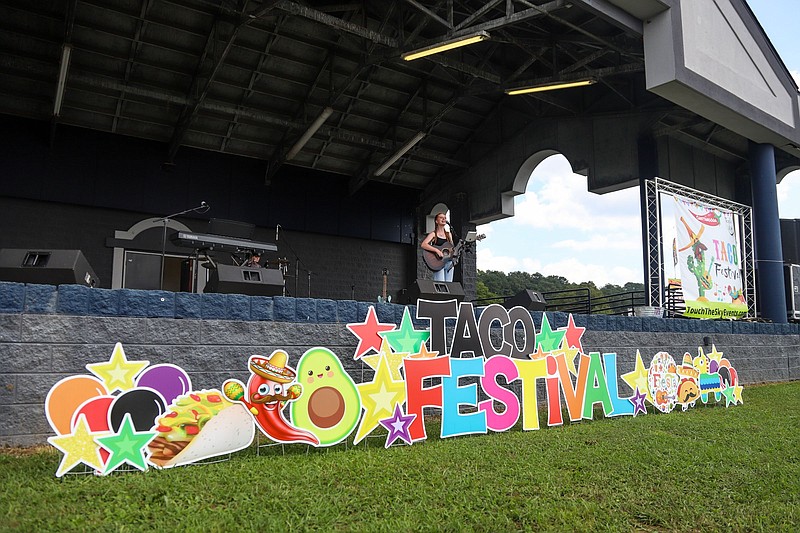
<point x="471" y="236"/>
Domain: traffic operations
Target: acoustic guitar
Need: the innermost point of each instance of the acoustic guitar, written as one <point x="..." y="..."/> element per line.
<point x="449" y="251"/>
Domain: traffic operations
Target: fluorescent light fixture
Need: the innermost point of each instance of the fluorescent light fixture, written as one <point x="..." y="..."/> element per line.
<point x="312" y="129"/>
<point x="66" y="52"/>
<point x="399" y="153"/>
<point x="446" y="45"/>
<point x="551" y="87"/>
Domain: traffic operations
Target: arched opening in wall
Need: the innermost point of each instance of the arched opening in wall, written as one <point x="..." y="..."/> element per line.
<point x="789" y="195"/>
<point x="559" y="228"/>
<point x="789" y="213"/>
<point x="430" y="218"/>
<point x="137" y="259"/>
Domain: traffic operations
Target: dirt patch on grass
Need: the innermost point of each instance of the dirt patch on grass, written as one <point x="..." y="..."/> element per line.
<point x="26" y="451"/>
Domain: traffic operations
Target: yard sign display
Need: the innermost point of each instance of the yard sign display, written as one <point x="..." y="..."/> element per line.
<point x="709" y="255"/>
<point x="128" y="413"/>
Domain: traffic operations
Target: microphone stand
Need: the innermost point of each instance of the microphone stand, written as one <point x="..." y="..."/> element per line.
<point x="296" y="268"/>
<point x="453" y="232"/>
<point x="454" y="235"/>
<point x="202" y="208"/>
<point x="297" y="277"/>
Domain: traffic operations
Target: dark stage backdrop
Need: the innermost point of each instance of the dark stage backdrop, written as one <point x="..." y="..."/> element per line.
<point x="75" y="192"/>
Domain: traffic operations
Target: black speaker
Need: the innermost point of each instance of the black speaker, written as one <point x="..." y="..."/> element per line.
<point x="530" y="300"/>
<point x="790" y="240"/>
<point x="50" y="267"/>
<point x="427" y="289"/>
<point x="792" y="281"/>
<point x="230" y="279"/>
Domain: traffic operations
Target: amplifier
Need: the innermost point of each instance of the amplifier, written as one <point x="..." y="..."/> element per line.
<point x="790" y="240"/>
<point x="49" y="267"/>
<point x="231" y="279"/>
<point x="792" y="282"/>
<point x="530" y="300"/>
<point x="427" y="289"/>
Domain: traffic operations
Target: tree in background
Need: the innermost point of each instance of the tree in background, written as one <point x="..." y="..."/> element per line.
<point x="493" y="284"/>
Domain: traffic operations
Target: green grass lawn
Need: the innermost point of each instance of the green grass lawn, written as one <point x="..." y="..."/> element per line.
<point x="710" y="468"/>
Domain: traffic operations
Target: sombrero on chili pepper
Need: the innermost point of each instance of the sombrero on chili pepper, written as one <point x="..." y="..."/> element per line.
<point x="272" y="368"/>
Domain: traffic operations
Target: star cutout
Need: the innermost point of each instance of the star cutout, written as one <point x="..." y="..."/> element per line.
<point x="573" y="335"/>
<point x="737" y="393"/>
<point x="78" y="447"/>
<point x="637" y="380"/>
<point x="126" y="446"/>
<point x="714" y="355"/>
<point x="377" y="398"/>
<point x="538" y="354"/>
<point x="638" y="402"/>
<point x="548" y="339"/>
<point x="117" y="373"/>
<point x="423" y="353"/>
<point x="406" y="339"/>
<point x="569" y="357"/>
<point x="368" y="333"/>
<point x="398" y="426"/>
<point x="395" y="360"/>
<point x="728" y="392"/>
<point x="570" y="354"/>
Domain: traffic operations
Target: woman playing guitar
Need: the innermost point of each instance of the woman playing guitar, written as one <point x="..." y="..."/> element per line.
<point x="440" y="243"/>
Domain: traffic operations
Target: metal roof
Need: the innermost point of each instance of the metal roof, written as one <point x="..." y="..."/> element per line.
<point x="250" y="77"/>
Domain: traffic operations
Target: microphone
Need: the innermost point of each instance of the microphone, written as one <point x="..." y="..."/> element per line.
<point x="447" y="222"/>
<point x="277" y="227"/>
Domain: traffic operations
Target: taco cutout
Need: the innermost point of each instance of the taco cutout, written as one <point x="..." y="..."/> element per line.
<point x="198" y="426"/>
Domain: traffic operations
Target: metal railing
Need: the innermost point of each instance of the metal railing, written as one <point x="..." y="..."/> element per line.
<point x="622" y="303"/>
<point x="675" y="306"/>
<point x="577" y="301"/>
<point x="580" y="301"/>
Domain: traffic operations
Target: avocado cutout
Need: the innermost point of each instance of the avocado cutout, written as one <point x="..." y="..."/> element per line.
<point x="330" y="405"/>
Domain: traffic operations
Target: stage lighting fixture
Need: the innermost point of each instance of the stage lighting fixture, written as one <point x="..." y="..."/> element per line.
<point x="312" y="129"/>
<point x="446" y="45"/>
<point x="66" y="52"/>
<point x="550" y="87"/>
<point x="399" y="153"/>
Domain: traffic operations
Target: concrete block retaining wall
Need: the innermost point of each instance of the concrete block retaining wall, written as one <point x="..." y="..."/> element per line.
<point x="47" y="333"/>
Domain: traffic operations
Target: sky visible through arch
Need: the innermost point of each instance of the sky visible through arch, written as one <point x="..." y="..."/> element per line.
<point x="562" y="229"/>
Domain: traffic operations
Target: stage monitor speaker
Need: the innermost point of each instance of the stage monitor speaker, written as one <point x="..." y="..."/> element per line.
<point x="230" y="279"/>
<point x="49" y="267"/>
<point x="792" y="281"/>
<point x="427" y="289"/>
<point x="530" y="300"/>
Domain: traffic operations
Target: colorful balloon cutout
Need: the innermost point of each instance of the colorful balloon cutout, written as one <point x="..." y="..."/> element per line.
<point x="66" y="396"/>
<point x="96" y="412"/>
<point x="144" y="406"/>
<point x="169" y="380"/>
